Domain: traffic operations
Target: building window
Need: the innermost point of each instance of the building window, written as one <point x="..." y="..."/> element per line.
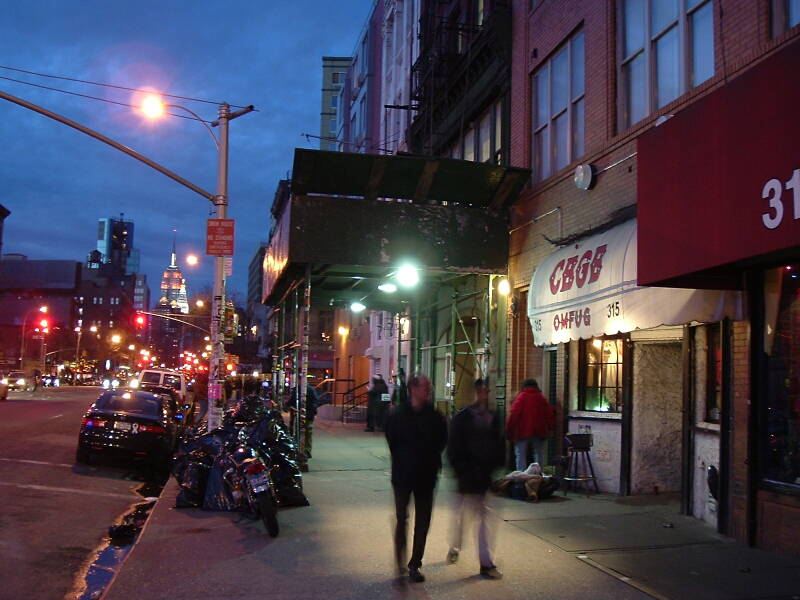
<point x="785" y="15"/>
<point x="497" y="155"/>
<point x="667" y="48"/>
<point x="602" y="374"/>
<point x="485" y="137"/>
<point x="558" y="99"/>
<point x="334" y="101"/>
<point x="780" y="429"/>
<point x="469" y="145"/>
<point x="714" y="377"/>
<point x="336" y="77"/>
<point x="332" y="125"/>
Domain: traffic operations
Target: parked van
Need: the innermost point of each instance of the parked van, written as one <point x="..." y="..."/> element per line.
<point x="167" y="377"/>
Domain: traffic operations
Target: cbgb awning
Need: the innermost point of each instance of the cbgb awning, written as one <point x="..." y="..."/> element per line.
<point x="589" y="289"/>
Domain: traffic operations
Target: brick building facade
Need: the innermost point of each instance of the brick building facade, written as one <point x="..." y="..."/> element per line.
<point x="590" y="80"/>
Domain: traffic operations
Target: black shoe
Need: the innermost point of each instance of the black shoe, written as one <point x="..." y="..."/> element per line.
<point x="415" y="575"/>
<point x="491" y="573"/>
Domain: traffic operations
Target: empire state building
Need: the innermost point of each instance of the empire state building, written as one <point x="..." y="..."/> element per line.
<point x="173" y="286"/>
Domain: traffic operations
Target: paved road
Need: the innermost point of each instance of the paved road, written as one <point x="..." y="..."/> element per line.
<point x="53" y="513"/>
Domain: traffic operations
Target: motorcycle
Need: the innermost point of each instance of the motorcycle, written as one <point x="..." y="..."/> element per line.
<point x="249" y="477"/>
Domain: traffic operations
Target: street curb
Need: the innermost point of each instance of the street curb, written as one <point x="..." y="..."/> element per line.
<point x="170" y="482"/>
<point x="622" y="578"/>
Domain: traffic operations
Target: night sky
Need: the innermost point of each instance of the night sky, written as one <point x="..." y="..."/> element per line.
<point x="58" y="182"/>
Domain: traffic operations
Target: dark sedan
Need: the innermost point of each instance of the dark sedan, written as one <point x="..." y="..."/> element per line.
<point x="129" y="423"/>
<point x="183" y="411"/>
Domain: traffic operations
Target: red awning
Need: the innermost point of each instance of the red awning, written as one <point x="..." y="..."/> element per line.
<point x="719" y="183"/>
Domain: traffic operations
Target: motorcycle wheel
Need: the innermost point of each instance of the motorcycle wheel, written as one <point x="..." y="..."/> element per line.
<point x="269" y="513"/>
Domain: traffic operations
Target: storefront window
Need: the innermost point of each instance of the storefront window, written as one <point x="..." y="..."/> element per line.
<point x="602" y="361"/>
<point x="781" y="437"/>
<point x="714" y="379"/>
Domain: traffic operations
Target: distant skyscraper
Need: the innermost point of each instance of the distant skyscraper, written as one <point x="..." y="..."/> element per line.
<point x="173" y="285"/>
<point x="115" y="244"/>
<point x="333" y="73"/>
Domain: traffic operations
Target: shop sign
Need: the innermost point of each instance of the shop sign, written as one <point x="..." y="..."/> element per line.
<point x="719" y="183"/>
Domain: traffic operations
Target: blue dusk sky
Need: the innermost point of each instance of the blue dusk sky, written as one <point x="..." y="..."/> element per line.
<point x="57" y="182"/>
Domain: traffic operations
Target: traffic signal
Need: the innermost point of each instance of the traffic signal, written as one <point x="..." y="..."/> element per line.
<point x="229" y="367"/>
<point x="140" y="320"/>
<point x="43" y="323"/>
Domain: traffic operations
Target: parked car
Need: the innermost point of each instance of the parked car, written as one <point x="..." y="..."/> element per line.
<point x="128" y="423"/>
<point x="18" y="381"/>
<point x="183" y="411"/>
<point x="166" y="377"/>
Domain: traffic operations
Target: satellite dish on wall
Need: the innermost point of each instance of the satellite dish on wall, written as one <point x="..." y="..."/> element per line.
<point x="585" y="177"/>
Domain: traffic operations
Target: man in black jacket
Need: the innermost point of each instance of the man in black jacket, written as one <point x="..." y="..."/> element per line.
<point x="417" y="435"/>
<point x="475" y="450"/>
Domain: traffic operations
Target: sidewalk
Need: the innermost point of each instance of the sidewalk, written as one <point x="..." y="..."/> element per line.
<point x="340" y="546"/>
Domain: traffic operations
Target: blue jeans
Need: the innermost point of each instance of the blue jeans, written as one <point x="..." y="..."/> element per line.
<point x="521" y="451"/>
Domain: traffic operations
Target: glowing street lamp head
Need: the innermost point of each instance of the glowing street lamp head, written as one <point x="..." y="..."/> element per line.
<point x="504" y="287"/>
<point x="152" y="106"/>
<point x="199" y="304"/>
<point x="388" y="287"/>
<point x="357" y="307"/>
<point x="407" y="276"/>
<point x="43" y="309"/>
<point x="116" y="339"/>
<point x="192" y="260"/>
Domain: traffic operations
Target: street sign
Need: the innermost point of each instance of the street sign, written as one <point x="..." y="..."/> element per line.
<point x="219" y="237"/>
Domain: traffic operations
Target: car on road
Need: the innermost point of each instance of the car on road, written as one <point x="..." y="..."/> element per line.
<point x="130" y="423"/>
<point x="167" y="377"/>
<point x="183" y="410"/>
<point x="17" y="381"/>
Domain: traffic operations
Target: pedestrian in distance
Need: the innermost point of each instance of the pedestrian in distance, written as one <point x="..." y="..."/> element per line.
<point x="417" y="435"/>
<point x="376" y="390"/>
<point x="529" y="424"/>
<point x="475" y="449"/>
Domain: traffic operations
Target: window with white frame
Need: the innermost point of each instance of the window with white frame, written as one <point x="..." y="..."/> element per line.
<point x="667" y="48"/>
<point x="558" y="109"/>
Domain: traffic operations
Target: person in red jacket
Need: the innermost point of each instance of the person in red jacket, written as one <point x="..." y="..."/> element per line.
<point x="530" y="423"/>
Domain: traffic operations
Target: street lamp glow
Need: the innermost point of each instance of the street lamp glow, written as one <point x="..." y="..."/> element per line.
<point x="43" y="309"/>
<point x="131" y="347"/>
<point x="116" y="338"/>
<point x="357" y="307"/>
<point x="199" y="304"/>
<point x="388" y="287"/>
<point x="93" y="328"/>
<point x="192" y="260"/>
<point x="343" y="331"/>
<point x="407" y="276"/>
<point x="152" y="106"/>
<point x="503" y="288"/>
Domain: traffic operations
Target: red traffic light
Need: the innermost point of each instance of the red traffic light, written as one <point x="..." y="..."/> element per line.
<point x="43" y="323"/>
<point x="140" y="320"/>
<point x="229" y="366"/>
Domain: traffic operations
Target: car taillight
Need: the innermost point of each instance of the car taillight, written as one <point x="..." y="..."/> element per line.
<point x="152" y="428"/>
<point x="89" y="423"/>
<point x="255" y="467"/>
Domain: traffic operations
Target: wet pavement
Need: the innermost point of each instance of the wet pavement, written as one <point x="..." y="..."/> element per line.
<point x="54" y="513"/>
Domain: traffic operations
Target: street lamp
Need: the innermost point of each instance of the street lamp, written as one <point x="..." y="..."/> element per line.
<point x="192" y="260"/>
<point x="153" y="107"/>
<point x="41" y="309"/>
<point x="199" y="304"/>
<point x="116" y="338"/>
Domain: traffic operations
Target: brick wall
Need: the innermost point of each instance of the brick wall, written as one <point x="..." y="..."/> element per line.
<point x="742" y="38"/>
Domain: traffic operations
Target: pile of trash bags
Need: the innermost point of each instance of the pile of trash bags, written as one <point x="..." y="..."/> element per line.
<point x="202" y="457"/>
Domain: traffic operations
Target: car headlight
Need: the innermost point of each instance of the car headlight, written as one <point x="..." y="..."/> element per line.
<point x="3" y="381"/>
<point x="115" y="383"/>
<point x="20" y="382"/>
<point x="106" y="383"/>
<point x="134" y="383"/>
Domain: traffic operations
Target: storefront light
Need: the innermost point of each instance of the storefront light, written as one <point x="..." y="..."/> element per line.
<point x="597" y="343"/>
<point x="407" y="276"/>
<point x="504" y="287"/>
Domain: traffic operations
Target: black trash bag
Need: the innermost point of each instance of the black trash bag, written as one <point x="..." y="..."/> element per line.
<point x="193" y="484"/>
<point x="218" y="494"/>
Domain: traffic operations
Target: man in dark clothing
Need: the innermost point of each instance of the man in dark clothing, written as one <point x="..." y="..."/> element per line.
<point x="374" y="398"/>
<point x="417" y="435"/>
<point x="475" y="450"/>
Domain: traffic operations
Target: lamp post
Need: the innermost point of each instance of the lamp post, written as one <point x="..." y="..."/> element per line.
<point x="220" y="201"/>
<point x="41" y="309"/>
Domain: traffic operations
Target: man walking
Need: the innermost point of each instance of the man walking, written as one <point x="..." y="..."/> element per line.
<point x="417" y="435"/>
<point x="475" y="449"/>
<point x="530" y="423"/>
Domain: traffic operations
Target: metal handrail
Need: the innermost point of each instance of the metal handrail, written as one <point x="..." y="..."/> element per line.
<point x="351" y="400"/>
